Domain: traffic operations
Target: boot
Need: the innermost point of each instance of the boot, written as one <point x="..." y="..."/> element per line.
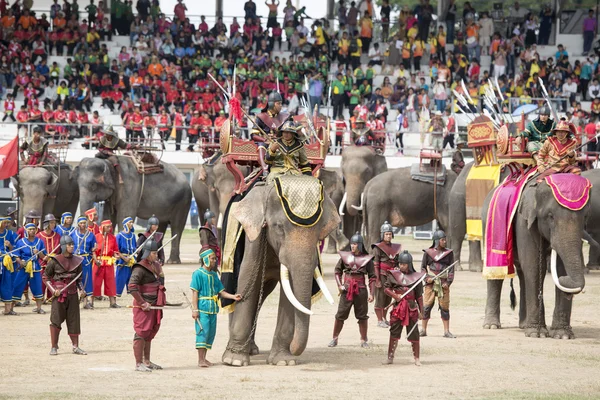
<point x="262" y="154"/>
<point x="148" y="363"/>
<point x="76" y="349"/>
<point x="416" y="348"/>
<point x="391" y="350"/>
<point x="363" y="327"/>
<point x="337" y="328"/>
<point x="54" y="333"/>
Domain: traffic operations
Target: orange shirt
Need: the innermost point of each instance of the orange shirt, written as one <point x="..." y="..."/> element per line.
<point x="155" y="69"/>
<point x="26" y="22"/>
<point x="59" y="23"/>
<point x="7" y="21"/>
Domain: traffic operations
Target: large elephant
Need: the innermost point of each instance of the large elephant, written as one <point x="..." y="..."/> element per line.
<point x="166" y="194"/>
<point x="334" y="187"/>
<point x="359" y="165"/>
<point x="395" y="197"/>
<point x="593" y="223"/>
<point x="542" y="229"/>
<point x="47" y="190"/>
<point x="288" y="253"/>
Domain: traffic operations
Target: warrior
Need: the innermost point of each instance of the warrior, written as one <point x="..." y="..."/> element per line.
<point x="362" y="135"/>
<point x="28" y="253"/>
<point x="104" y="271"/>
<point x="437" y="258"/>
<point x="353" y="265"/>
<point x="269" y="121"/>
<point x="8" y="239"/>
<point x="158" y="237"/>
<point x="107" y="144"/>
<point x="209" y="234"/>
<point x="458" y="159"/>
<point x="384" y="259"/>
<point x="66" y="224"/>
<point x="558" y="152"/>
<point x="37" y="149"/>
<point x="92" y="216"/>
<point x="63" y="277"/>
<point x="11" y="212"/>
<point x="287" y="155"/>
<point x="126" y="244"/>
<point x="51" y="241"/>
<point x="148" y="291"/>
<point x="408" y="303"/>
<point x="537" y="131"/>
<point x="85" y="245"/>
<point x="436" y="129"/>
<point x="206" y="290"/>
<point x="31" y="217"/>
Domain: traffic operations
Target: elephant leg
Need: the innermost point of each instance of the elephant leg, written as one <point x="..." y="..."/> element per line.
<point x="533" y="280"/>
<point x="178" y="220"/>
<point x="561" y="319"/>
<point x="267" y="290"/>
<point x="522" y="299"/>
<point x="284" y="332"/>
<point x="331" y="247"/>
<point x="475" y="261"/>
<point x="492" y="305"/>
<point x="594" y="257"/>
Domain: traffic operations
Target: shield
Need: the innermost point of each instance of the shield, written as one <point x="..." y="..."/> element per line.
<point x="502" y="139"/>
<point x="225" y="136"/>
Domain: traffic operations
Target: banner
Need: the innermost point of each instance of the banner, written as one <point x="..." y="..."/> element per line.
<point x="9" y="159"/>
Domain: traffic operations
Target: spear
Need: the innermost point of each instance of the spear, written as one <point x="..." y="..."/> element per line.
<point x="464" y="88"/>
<point x="234" y="77"/>
<point x="169" y="241"/>
<point x="545" y="94"/>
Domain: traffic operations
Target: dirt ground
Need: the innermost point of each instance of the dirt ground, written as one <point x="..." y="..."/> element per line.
<point x="479" y="364"/>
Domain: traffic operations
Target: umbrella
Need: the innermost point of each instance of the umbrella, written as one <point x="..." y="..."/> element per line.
<point x="524" y="109"/>
<point x="256" y="110"/>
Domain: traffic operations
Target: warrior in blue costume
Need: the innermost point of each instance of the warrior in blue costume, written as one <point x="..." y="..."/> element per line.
<point x="85" y="244"/>
<point x="66" y="224"/>
<point x="126" y="242"/>
<point x="8" y="239"/>
<point x="29" y="250"/>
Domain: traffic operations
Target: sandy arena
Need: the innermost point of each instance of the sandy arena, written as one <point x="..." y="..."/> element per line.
<point x="479" y="364"/>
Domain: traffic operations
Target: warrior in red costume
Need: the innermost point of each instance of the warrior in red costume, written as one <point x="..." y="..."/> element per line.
<point x="107" y="251"/>
<point x="354" y="265"/>
<point x="404" y="287"/>
<point x="384" y="259"/>
<point x="37" y="149"/>
<point x="92" y="216"/>
<point x="438" y="258"/>
<point x="147" y="289"/>
<point x="209" y="234"/>
<point x="51" y="241"/>
<point x="62" y="277"/>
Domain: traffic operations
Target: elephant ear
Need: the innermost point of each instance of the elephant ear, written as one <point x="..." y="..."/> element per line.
<point x="528" y="205"/>
<point x="202" y="173"/>
<point x="250" y="212"/>
<point x="331" y="218"/>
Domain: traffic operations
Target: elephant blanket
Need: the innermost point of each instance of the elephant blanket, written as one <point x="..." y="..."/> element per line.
<point x="499" y="260"/>
<point x="570" y="191"/>
<point x="301" y="198"/>
<point x="482" y="179"/>
<point x="428" y="174"/>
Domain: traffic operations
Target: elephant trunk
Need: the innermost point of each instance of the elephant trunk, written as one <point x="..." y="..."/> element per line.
<point x="571" y="255"/>
<point x="300" y="297"/>
<point x="354" y="196"/>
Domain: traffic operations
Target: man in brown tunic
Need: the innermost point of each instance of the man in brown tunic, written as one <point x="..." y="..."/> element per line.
<point x="209" y="234"/>
<point x="62" y="277"/>
<point x="384" y="254"/>
<point x="353" y="266"/>
<point x="146" y="286"/>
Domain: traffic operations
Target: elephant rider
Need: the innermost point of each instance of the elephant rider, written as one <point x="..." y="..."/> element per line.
<point x="286" y="154"/>
<point x="66" y="224"/>
<point x="269" y="121"/>
<point x="408" y="303"/>
<point x="362" y="135"/>
<point x="436" y="129"/>
<point x="85" y="245"/>
<point x="537" y="131"/>
<point x="33" y="217"/>
<point x="8" y="239"/>
<point x="29" y="250"/>
<point x="62" y="278"/>
<point x="92" y="216"/>
<point x="127" y="246"/>
<point x="206" y="289"/>
<point x="437" y="258"/>
<point x="458" y="159"/>
<point x="36" y="147"/>
<point x="107" y="144"/>
<point x="107" y="251"/>
<point x="152" y="227"/>
<point x="558" y="152"/>
<point x="147" y="289"/>
<point x="384" y="260"/>
<point x="353" y="265"/>
<point x="209" y="234"/>
<point x="51" y="241"/>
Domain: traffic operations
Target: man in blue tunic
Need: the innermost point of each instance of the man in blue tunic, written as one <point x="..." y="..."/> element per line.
<point x="126" y="242"/>
<point x="85" y="244"/>
<point x="66" y="224"/>
<point x="206" y="289"/>
<point x="29" y="251"/>
<point x="8" y="239"/>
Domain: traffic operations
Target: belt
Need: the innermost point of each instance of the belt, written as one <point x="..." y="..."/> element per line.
<point x="214" y="298"/>
<point x="107" y="260"/>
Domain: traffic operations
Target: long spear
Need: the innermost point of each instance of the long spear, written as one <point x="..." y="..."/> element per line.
<point x="169" y="241"/>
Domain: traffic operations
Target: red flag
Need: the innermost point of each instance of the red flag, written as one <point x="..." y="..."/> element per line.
<point x="9" y="159"/>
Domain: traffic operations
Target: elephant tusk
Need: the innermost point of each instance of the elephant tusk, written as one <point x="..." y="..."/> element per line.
<point x="343" y="203"/>
<point x="555" y="275"/>
<point x="220" y="221"/>
<point x="284" y="274"/>
<point x="323" y="286"/>
<point x="360" y="207"/>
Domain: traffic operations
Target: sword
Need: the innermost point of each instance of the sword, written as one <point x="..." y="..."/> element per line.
<point x="12" y="251"/>
<point x="63" y="289"/>
<point x="161" y="307"/>
<point x="545" y="94"/>
<point x="142" y="245"/>
<point x="169" y="241"/>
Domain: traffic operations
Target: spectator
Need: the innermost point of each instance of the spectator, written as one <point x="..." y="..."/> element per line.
<point x="590" y="26"/>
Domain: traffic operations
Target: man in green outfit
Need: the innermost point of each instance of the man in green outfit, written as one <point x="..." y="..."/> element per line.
<point x="537" y="131"/>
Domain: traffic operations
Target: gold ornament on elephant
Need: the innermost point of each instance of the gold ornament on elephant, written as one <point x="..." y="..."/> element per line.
<point x="502" y="139"/>
<point x="225" y="136"/>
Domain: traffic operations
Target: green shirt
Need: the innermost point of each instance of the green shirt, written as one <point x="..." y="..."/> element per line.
<point x="354" y="96"/>
<point x="337" y="87"/>
<point x="358" y="74"/>
<point x="370" y="73"/>
<point x="208" y="285"/>
<point x="536" y="131"/>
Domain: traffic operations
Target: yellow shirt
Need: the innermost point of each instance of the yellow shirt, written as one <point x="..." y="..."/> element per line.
<point x="357" y="53"/>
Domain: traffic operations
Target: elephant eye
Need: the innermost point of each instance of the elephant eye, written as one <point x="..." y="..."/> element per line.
<point x="550" y="216"/>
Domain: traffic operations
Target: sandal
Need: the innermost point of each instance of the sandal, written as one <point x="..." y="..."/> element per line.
<point x="78" y="351"/>
<point x="142" y="368"/>
<point x="11" y="312"/>
<point x="54" y="351"/>
<point x="88" y="306"/>
<point x="151" y="365"/>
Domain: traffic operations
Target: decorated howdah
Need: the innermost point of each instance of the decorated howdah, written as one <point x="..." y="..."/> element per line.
<point x="481" y="132"/>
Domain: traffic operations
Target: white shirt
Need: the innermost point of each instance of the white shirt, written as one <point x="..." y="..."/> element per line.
<point x="569" y="88"/>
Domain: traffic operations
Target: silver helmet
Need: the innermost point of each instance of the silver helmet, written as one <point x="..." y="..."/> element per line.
<point x="437" y="235"/>
<point x="386" y="227"/>
<point x="64" y="241"/>
<point x="273" y="98"/>
<point x="149" y="246"/>
<point x="544" y="110"/>
<point x="152" y="221"/>
<point x="358" y="239"/>
<point x="208" y="214"/>
<point x="406" y="258"/>
<point x="47" y="219"/>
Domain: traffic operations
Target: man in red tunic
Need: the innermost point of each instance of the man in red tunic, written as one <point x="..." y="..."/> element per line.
<point x="51" y="241"/>
<point x="92" y="216"/>
<point x="107" y="251"/>
<point x="384" y="260"/>
<point x="147" y="289"/>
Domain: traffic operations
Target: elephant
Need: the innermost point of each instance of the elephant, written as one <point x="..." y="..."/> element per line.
<point x="286" y="253"/>
<point x="334" y="187"/>
<point x="47" y="190"/>
<point x="395" y="197"/>
<point x="167" y="194"/>
<point x="359" y="165"/>
<point x="542" y="229"/>
<point x="593" y="223"/>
